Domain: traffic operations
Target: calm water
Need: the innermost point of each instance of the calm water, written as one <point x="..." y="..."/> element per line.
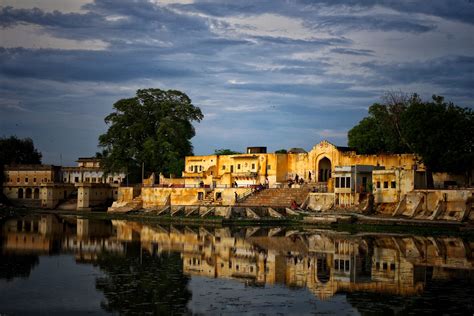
<point x="66" y="265"/>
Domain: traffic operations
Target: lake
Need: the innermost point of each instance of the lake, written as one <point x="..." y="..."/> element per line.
<point x="52" y="264"/>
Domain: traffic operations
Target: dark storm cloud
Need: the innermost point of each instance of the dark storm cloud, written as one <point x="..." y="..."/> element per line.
<point x="356" y="52"/>
<point x="457" y="10"/>
<point x="344" y="23"/>
<point x="334" y="89"/>
<point x="453" y="71"/>
<point x="71" y="65"/>
<point x="10" y="16"/>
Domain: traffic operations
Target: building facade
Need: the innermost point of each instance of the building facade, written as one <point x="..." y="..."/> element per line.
<point x="88" y="170"/>
<point x="315" y="166"/>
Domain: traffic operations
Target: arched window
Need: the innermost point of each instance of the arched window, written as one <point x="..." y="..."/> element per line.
<point x="28" y="193"/>
<point x="20" y="193"/>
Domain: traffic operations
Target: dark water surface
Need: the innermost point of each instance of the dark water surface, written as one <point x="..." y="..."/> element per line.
<point x="53" y="264"/>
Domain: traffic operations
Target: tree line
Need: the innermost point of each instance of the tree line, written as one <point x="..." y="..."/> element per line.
<point x="440" y="133"/>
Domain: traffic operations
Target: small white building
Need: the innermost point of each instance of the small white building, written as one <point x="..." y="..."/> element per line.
<point x="350" y="182"/>
<point x="88" y="170"/>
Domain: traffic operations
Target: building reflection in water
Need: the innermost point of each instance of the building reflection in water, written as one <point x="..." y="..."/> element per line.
<point x="325" y="262"/>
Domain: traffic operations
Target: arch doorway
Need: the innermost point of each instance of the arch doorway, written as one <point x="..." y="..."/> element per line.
<point x="28" y="193"/>
<point x="36" y="194"/>
<point x="324" y="170"/>
<point x="323" y="271"/>
<point x="20" y="193"/>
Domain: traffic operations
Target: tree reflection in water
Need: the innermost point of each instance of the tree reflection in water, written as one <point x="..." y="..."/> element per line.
<point x="17" y="266"/>
<point x="141" y="283"/>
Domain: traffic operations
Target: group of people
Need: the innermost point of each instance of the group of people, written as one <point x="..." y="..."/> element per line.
<point x="296" y="180"/>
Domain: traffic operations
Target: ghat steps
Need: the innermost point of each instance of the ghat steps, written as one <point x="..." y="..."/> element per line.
<point x="278" y="197"/>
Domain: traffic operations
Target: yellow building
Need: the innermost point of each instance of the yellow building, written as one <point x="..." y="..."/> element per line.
<point x="253" y="168"/>
<point x="23" y="182"/>
<point x="226" y="179"/>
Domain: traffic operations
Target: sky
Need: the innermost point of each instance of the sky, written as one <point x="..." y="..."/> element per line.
<point x="275" y="73"/>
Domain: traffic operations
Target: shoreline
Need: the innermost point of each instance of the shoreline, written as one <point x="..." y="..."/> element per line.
<point x="348" y="222"/>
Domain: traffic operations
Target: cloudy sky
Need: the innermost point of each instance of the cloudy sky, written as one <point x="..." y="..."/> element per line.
<point x="269" y="73"/>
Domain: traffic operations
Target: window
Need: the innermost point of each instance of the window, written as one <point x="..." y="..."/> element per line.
<point x="343" y="182"/>
<point x="392" y="266"/>
<point x="385" y="266"/>
<point x="88" y="179"/>
<point x="253" y="166"/>
<point x="34" y="180"/>
<point x="238" y="166"/>
<point x="76" y="179"/>
<point x="26" y="180"/>
<point x="200" y="168"/>
<point x="223" y="167"/>
<point x="378" y="184"/>
<point x="269" y="167"/>
<point x="338" y="180"/>
<point x="393" y="184"/>
<point x="348" y="182"/>
<point x="377" y="265"/>
<point x="93" y="180"/>
<point x="336" y="262"/>
<point x="385" y="184"/>
<point x="17" y="179"/>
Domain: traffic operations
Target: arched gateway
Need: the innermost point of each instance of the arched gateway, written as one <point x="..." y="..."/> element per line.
<point x="324" y="169"/>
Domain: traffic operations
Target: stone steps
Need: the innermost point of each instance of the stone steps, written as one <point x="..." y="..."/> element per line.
<point x="281" y="197"/>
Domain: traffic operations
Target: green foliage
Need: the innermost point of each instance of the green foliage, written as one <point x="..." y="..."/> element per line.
<point x="441" y="133"/>
<point x="14" y="150"/>
<point x="225" y="151"/>
<point x="280" y="151"/>
<point x="154" y="128"/>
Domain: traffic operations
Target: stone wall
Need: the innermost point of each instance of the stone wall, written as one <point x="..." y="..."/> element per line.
<point x="90" y="195"/>
<point x="320" y="201"/>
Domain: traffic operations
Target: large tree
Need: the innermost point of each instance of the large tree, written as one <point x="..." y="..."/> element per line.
<point x="14" y="150"/>
<point x="440" y="133"/>
<point x="153" y="128"/>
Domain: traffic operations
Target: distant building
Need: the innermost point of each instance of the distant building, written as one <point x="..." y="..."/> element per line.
<point x="24" y="181"/>
<point x="89" y="170"/>
<point x="47" y="185"/>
